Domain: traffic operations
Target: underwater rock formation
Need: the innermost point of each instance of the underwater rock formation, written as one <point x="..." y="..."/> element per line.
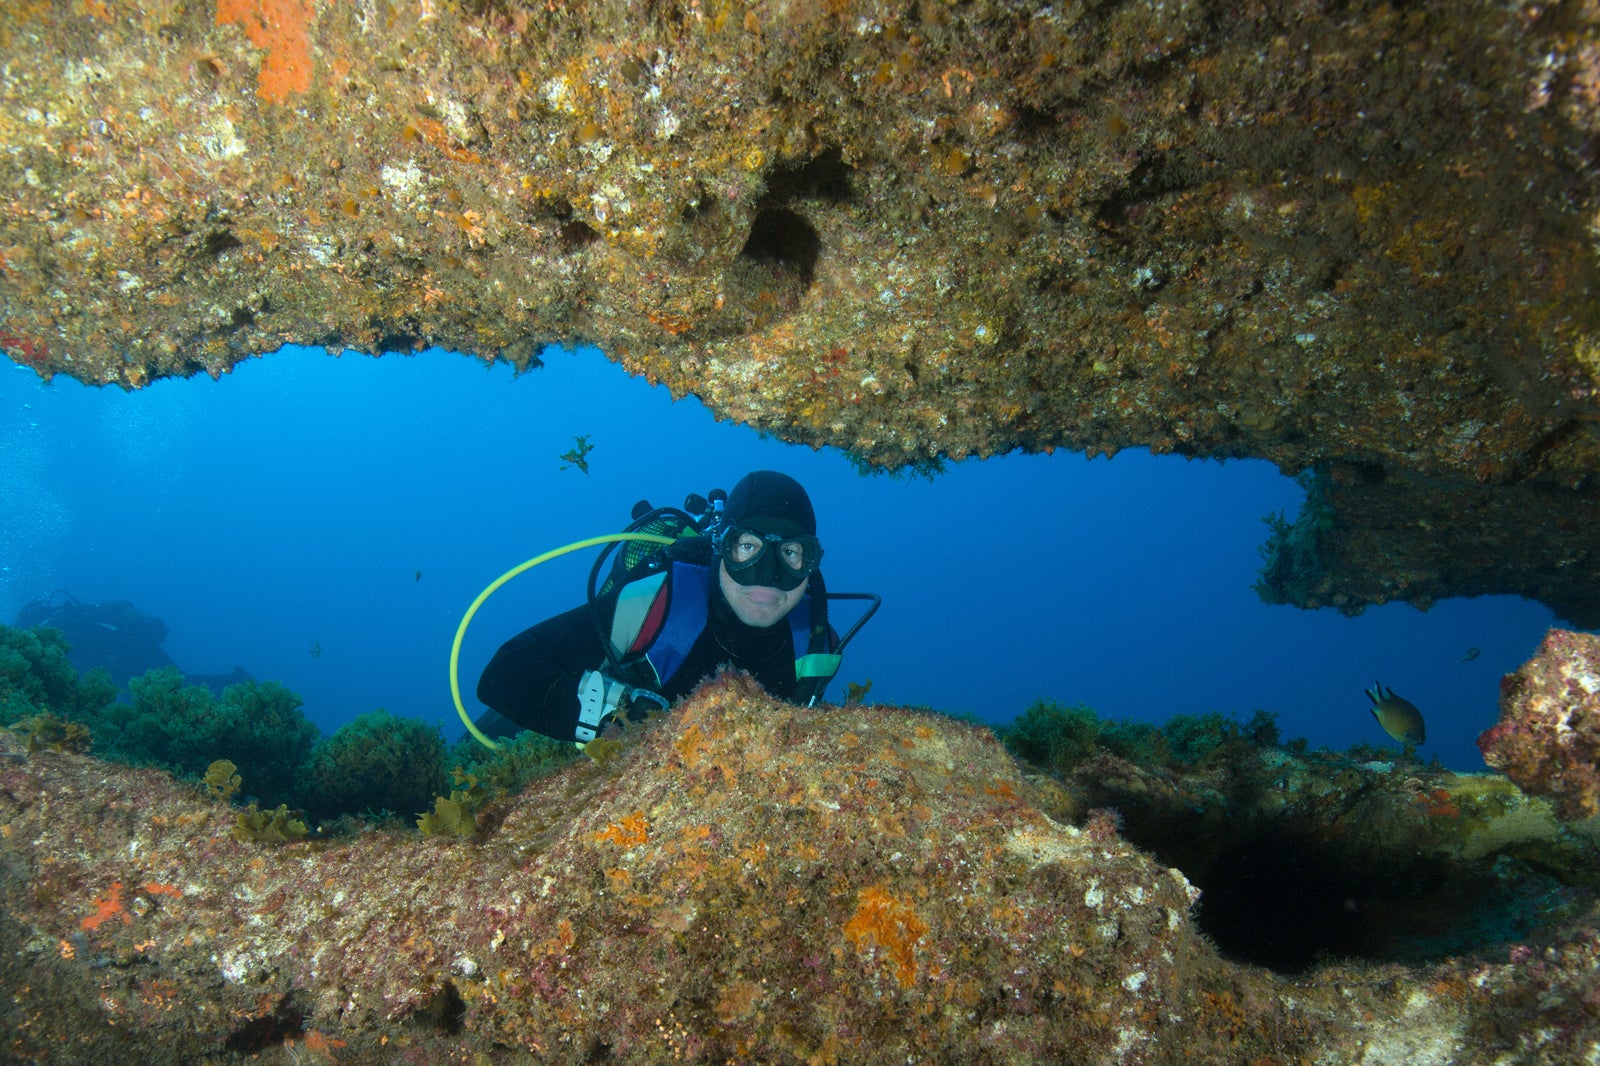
<point x="1305" y="856"/>
<point x="1354" y="234"/>
<point x="1548" y="736"/>
<point x="748" y="881"/>
<point x="1367" y="534"/>
<point x="113" y="634"/>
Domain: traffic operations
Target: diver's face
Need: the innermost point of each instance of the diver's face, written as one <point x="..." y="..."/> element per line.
<point x="759" y="605"/>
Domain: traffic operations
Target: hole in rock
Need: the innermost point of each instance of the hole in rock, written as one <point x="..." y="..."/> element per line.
<point x="781" y="238"/>
<point x="576" y="236"/>
<point x="395" y="336"/>
<point x="445" y="1010"/>
<point x="284" y="1021"/>
<point x="1149" y="184"/>
<point x="1033" y="120"/>
<point x="218" y="241"/>
<point x="1291" y="896"/>
<point x="826" y="176"/>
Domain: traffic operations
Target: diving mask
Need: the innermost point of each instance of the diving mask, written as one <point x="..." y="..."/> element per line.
<point x="777" y="560"/>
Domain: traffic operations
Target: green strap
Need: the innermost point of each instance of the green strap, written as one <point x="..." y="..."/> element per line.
<point x="817" y="664"/>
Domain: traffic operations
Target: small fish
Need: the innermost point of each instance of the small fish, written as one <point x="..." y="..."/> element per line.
<point x="316" y="649"/>
<point x="1471" y="654"/>
<point x="854" y="693"/>
<point x="1399" y="717"/>
<point x="419" y="576"/>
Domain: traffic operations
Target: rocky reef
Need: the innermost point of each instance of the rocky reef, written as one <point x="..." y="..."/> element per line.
<point x="1351" y="238"/>
<point x="750" y="882"/>
<point x="1303" y="857"/>
<point x="1548" y="736"/>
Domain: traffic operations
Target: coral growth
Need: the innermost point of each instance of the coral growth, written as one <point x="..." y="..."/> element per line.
<point x="891" y="924"/>
<point x="278" y="27"/>
<point x="1548" y="737"/>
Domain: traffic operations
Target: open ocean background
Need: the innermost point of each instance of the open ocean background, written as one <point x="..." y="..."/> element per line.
<point x="356" y="506"/>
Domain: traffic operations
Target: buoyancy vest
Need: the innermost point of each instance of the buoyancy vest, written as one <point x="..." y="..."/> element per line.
<point x="658" y="618"/>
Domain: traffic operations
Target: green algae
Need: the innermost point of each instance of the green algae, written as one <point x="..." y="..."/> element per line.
<point x="516" y="763"/>
<point x="450" y="817"/>
<point x="277" y="826"/>
<point x="183" y="728"/>
<point x="378" y="762"/>
<point x="36" y="676"/>
<point x="1291" y="559"/>
<point x="220" y="779"/>
<point x="47" y="732"/>
<point x="1058" y="737"/>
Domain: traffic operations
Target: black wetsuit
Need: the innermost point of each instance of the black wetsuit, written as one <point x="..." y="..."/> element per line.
<point x="532" y="681"/>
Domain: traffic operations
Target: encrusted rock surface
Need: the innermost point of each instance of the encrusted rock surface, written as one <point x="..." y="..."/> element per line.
<point x="746" y="882"/>
<point x="1310" y="855"/>
<point x="1352" y="233"/>
<point x="1548" y="736"/>
<point x="1367" y="535"/>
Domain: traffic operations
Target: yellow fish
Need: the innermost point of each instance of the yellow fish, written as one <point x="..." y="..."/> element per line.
<point x="1399" y="717"/>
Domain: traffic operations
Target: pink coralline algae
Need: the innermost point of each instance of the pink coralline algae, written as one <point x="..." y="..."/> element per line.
<point x="1548" y="738"/>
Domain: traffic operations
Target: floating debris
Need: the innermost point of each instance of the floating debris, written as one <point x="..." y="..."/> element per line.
<point x="578" y="456"/>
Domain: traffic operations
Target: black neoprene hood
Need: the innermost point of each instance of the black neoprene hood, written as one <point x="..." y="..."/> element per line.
<point x="770" y="502"/>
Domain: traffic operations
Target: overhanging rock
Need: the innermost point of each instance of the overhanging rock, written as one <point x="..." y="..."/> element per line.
<point x="1313" y="233"/>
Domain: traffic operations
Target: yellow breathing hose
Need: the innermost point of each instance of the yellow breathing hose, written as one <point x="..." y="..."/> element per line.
<point x="466" y="619"/>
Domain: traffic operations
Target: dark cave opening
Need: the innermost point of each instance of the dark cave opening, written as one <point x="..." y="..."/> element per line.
<point x="1290" y="896"/>
<point x="285" y="1021"/>
<point x="784" y="239"/>
<point x="824" y="177"/>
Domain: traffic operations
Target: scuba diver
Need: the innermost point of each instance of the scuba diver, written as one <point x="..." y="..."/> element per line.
<point x="739" y="586"/>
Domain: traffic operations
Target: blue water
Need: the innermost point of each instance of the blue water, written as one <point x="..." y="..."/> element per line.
<point x="293" y="504"/>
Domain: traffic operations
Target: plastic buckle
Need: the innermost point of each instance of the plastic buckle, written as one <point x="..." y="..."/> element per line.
<point x="654" y="697"/>
<point x="598" y="698"/>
